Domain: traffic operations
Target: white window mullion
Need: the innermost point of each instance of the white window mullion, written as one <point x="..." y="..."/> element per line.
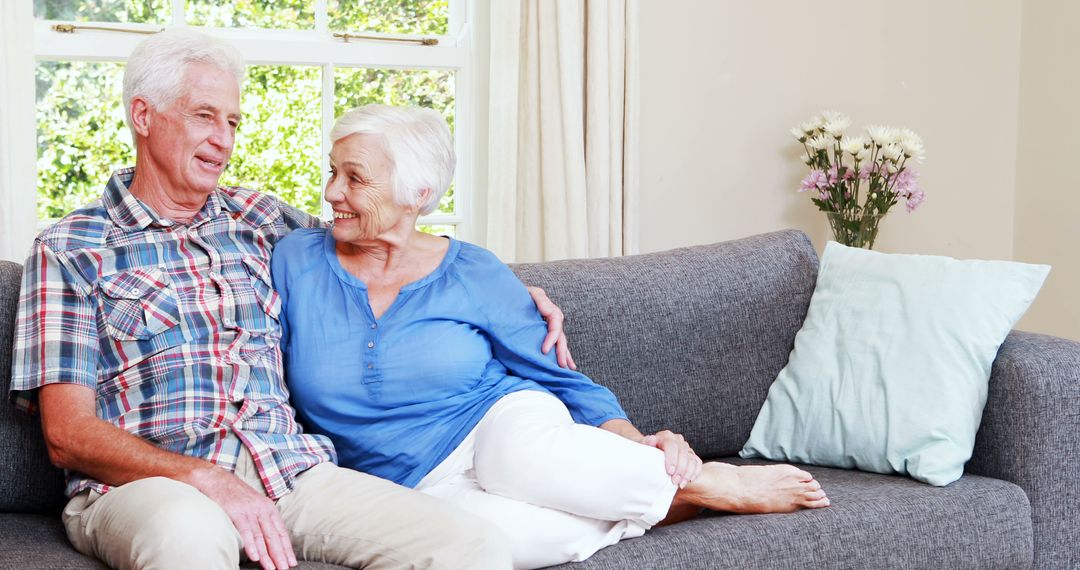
<point x="441" y="219"/>
<point x="322" y="18"/>
<point x="178" y="15"/>
<point x="257" y="46"/>
<point x="327" y="124"/>
<point x="464" y="185"/>
<point x="457" y="18"/>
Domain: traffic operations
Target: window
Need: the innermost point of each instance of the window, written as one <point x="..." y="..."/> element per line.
<point x="305" y="66"/>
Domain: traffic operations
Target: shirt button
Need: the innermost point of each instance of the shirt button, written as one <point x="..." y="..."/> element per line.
<point x="136" y="292"/>
<point x="373" y="325"/>
<point x="370" y="366"/>
<point x="371" y="345"/>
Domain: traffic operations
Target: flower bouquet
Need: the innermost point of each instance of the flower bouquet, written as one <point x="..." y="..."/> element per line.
<point x="855" y="180"/>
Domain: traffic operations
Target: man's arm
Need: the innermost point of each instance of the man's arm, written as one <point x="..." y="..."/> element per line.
<point x="296" y="218"/>
<point x="80" y="441"/>
<point x="555" y="336"/>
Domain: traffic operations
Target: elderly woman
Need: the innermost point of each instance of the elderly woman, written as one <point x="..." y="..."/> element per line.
<point x="419" y="357"/>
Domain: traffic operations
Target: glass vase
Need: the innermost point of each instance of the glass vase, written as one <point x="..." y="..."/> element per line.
<point x="853" y="228"/>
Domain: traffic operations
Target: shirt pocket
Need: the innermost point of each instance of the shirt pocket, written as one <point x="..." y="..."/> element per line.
<point x="139" y="304"/>
<point x="263" y="284"/>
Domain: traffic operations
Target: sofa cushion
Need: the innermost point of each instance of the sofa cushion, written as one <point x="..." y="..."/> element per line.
<point x="688" y="339"/>
<point x="875" y="521"/>
<point x="890" y="368"/>
<point x="28" y="482"/>
<point x="38" y="541"/>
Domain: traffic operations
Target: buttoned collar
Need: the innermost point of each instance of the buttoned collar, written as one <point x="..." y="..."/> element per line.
<point x="131" y="214"/>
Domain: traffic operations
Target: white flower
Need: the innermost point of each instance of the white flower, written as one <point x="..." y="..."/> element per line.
<point x="810" y="126"/>
<point x="883" y="135"/>
<point x="892" y="151"/>
<point x="836" y="125"/>
<point x="853" y="145"/>
<point x="805" y="158"/>
<point x="909" y="135"/>
<point x="799" y="134"/>
<point x="833" y="115"/>
<point x="913" y="151"/>
<point x="912" y="145"/>
<point x="863" y="155"/>
<point x="892" y="168"/>
<point x="820" y="142"/>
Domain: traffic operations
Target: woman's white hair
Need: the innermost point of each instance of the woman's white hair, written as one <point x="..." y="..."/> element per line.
<point x="155" y="70"/>
<point x="418" y="143"/>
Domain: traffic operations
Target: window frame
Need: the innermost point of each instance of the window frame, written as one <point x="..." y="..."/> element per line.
<point x="316" y="48"/>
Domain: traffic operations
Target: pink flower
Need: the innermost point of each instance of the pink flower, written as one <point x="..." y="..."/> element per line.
<point x="834" y="174"/>
<point x="869" y="169"/>
<point x="915" y="197"/>
<point x="815" y="180"/>
<point x="904" y="183"/>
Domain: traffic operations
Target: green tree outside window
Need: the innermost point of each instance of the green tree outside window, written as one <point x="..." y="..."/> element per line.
<point x="82" y="138"/>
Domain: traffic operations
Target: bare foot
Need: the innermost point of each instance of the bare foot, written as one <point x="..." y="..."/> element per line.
<point x="748" y="489"/>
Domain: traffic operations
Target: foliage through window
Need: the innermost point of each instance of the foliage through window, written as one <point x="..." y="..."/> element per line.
<point x="390" y="16"/>
<point x="82" y="137"/>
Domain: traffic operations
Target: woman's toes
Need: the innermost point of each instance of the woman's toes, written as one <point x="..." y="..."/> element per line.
<point x="815" y="495"/>
<point x="814" y="485"/>
<point x="817" y="504"/>
<point x="803" y="475"/>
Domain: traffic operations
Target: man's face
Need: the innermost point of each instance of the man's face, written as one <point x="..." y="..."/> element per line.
<point x="190" y="140"/>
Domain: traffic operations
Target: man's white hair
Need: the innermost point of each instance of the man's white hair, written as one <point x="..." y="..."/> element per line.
<point x="155" y="70"/>
<point x="418" y="143"/>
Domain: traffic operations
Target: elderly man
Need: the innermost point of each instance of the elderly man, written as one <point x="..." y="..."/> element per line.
<point x="148" y="340"/>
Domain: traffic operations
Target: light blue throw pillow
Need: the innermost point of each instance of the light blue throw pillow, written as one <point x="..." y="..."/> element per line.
<point x="889" y="371"/>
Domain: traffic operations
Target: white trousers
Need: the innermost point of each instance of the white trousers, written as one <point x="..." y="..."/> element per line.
<point x="560" y="491"/>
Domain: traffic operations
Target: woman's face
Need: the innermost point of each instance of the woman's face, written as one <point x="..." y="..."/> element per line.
<point x="360" y="190"/>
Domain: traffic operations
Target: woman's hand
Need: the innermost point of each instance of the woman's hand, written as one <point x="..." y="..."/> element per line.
<point x="555" y="336"/>
<point x="681" y="462"/>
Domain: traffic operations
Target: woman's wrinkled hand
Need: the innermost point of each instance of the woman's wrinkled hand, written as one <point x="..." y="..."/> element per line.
<point x="555" y="336"/>
<point x="683" y="465"/>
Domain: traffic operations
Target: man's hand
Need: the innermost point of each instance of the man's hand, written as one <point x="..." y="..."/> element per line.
<point x="555" y="336"/>
<point x="256" y="518"/>
<point x="681" y="462"/>
<point x="78" y="440"/>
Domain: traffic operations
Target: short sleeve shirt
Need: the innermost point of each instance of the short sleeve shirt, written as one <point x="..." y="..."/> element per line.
<point x="173" y="325"/>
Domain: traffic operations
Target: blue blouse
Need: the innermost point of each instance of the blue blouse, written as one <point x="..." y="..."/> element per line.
<point x="397" y="394"/>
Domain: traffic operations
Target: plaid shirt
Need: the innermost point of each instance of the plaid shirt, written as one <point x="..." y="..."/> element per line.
<point x="175" y="326"/>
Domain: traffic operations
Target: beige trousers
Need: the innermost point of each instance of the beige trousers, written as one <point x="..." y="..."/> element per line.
<point x="333" y="514"/>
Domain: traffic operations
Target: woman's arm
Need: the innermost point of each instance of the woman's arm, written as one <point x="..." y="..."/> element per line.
<point x="512" y="328"/>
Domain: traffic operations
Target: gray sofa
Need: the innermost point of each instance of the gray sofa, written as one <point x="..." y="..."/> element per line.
<point x="690" y="340"/>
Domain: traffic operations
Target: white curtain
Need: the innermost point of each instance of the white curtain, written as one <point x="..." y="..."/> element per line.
<point x="18" y="153"/>
<point x="563" y="129"/>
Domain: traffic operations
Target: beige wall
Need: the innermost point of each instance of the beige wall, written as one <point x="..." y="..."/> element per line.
<point x="1048" y="171"/>
<point x="724" y="80"/>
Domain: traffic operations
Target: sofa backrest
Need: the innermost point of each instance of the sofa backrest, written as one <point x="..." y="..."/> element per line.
<point x="688" y="339"/>
<point x="28" y="482"/>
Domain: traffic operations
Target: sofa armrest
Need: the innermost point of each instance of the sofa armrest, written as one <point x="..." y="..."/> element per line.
<point x="1030" y="436"/>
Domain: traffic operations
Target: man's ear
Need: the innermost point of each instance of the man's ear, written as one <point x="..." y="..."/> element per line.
<point x="140" y="116"/>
